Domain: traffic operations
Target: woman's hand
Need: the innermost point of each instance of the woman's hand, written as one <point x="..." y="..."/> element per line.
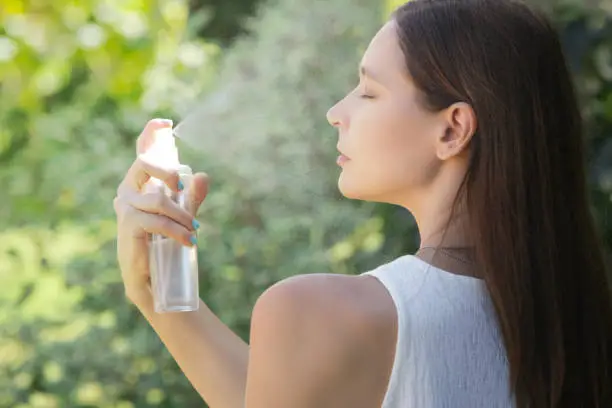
<point x="142" y="213"/>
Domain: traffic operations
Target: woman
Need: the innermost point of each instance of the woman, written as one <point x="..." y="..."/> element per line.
<point x="465" y="115"/>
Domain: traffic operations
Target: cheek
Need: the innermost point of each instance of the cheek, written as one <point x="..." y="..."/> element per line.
<point x="389" y="149"/>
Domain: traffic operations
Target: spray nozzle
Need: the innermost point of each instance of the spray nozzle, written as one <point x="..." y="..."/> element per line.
<point x="163" y="150"/>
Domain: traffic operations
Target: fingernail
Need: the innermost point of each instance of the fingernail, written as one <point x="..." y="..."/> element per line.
<point x="167" y="122"/>
<point x="194" y="240"/>
<point x="180" y="185"/>
<point x="195" y="224"/>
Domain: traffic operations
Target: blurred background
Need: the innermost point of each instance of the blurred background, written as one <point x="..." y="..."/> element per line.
<point x="252" y="80"/>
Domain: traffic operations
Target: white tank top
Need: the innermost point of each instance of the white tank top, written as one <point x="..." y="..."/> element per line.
<point x="449" y="351"/>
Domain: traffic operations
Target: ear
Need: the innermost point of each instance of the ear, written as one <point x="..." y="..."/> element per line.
<point x="460" y="125"/>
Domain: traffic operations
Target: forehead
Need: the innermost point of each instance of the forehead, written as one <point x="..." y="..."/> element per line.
<point x="384" y="53"/>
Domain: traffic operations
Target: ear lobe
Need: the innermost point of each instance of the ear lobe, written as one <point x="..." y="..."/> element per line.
<point x="448" y="145"/>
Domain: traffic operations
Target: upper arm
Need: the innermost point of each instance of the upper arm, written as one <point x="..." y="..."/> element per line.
<point x="311" y="347"/>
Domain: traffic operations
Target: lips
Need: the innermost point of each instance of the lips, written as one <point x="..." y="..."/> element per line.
<point x="342" y="159"/>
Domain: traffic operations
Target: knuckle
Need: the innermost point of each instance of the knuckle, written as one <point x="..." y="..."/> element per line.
<point x="128" y="217"/>
<point x="170" y="177"/>
<point x="144" y="162"/>
<point x="121" y="207"/>
<point x="147" y="164"/>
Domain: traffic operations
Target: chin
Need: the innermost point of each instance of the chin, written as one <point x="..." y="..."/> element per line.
<point x="363" y="189"/>
<point x="354" y="190"/>
<point x="347" y="189"/>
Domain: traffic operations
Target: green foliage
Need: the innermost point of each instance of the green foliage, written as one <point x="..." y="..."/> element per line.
<point x="222" y="20"/>
<point x="80" y="79"/>
<point x="587" y="36"/>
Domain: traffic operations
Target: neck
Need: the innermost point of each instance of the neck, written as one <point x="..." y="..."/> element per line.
<point x="438" y="222"/>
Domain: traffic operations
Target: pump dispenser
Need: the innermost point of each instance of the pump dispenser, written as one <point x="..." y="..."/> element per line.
<point x="173" y="266"/>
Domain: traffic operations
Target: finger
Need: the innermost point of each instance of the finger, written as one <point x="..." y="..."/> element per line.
<point x="142" y="170"/>
<point x="161" y="204"/>
<point x="147" y="136"/>
<point x="197" y="192"/>
<point x="159" y="224"/>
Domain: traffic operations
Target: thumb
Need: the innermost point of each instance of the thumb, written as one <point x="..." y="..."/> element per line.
<point x="197" y="192"/>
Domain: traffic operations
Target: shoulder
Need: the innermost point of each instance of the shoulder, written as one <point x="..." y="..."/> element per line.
<point x="326" y="327"/>
<point x="321" y="301"/>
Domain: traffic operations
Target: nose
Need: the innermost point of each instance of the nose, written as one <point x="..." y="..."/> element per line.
<point x="333" y="115"/>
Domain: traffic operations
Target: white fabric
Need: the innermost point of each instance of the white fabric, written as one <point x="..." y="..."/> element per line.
<point x="449" y="351"/>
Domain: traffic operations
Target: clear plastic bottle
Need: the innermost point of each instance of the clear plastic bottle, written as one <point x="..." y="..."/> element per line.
<point x="173" y="266"/>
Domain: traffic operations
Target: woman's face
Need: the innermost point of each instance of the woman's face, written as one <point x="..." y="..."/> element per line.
<point x="387" y="137"/>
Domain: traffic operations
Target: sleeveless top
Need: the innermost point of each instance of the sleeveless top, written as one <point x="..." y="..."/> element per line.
<point x="449" y="351"/>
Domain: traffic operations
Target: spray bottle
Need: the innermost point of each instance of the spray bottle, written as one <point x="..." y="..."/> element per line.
<point x="173" y="266"/>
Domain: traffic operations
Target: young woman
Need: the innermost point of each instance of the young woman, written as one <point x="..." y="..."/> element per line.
<point x="465" y="115"/>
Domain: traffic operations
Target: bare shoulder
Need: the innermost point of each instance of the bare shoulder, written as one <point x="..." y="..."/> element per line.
<point x="341" y="303"/>
<point x="321" y="340"/>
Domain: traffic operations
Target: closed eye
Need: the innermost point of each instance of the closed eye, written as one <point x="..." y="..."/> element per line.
<point x="364" y="93"/>
<point x="361" y="92"/>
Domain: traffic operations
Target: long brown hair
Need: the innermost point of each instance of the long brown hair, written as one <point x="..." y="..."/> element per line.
<point x="525" y="190"/>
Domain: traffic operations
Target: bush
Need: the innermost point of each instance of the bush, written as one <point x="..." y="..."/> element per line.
<point x="79" y="82"/>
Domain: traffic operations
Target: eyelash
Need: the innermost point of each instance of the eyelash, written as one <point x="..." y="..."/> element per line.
<point x="364" y="95"/>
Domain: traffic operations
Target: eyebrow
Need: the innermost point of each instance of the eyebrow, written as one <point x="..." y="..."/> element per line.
<point x="368" y="73"/>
